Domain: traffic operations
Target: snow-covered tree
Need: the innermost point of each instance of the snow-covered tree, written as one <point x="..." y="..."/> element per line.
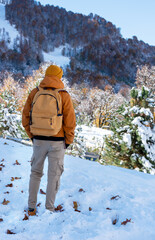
<point x="10" y="117"/>
<point x="132" y="143"/>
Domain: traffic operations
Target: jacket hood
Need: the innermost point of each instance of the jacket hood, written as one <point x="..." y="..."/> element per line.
<point x="52" y="82"/>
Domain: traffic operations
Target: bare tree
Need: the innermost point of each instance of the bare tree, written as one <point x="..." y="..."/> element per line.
<point x="146" y="77"/>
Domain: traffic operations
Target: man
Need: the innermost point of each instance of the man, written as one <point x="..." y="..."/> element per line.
<point x="52" y="146"/>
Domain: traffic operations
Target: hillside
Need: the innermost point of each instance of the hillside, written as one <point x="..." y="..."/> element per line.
<point x="99" y="55"/>
<point x="7" y="28"/>
<point x="113" y="203"/>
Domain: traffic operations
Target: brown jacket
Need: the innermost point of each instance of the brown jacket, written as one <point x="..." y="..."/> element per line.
<point x="69" y="121"/>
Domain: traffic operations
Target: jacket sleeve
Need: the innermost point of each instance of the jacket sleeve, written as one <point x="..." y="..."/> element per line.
<point x="26" y="113"/>
<point x="69" y="120"/>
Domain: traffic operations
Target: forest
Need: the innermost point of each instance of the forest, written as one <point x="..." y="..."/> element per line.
<point x="99" y="54"/>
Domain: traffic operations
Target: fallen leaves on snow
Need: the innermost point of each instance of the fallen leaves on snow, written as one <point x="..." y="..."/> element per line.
<point x="126" y="221"/>
<point x="75" y="206"/>
<point x="2" y="165"/>
<point x="5" y="202"/>
<point x="115" y="197"/>
<point x="108" y="208"/>
<point x="25" y="218"/>
<point x="81" y="190"/>
<point x="15" y="178"/>
<point x="59" y="208"/>
<point x="114" y="221"/>
<point x="16" y="163"/>
<point x="10" y="232"/>
<point x="42" y="192"/>
<point x="9" y="185"/>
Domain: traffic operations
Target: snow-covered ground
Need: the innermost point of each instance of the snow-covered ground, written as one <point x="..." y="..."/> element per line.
<point x="13" y="33"/>
<point x="56" y="57"/>
<point x="115" y="203"/>
<point x="93" y="136"/>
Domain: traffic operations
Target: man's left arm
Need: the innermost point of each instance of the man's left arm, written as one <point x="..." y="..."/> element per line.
<point x="69" y="119"/>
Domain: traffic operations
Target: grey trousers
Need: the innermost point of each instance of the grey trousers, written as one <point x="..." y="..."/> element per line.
<point x="55" y="151"/>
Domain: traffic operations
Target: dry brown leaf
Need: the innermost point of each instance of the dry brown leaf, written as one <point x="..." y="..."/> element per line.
<point x="1" y="219"/>
<point x="75" y="206"/>
<point x="126" y="221"/>
<point x="76" y="210"/>
<point x="17" y="178"/>
<point x="5" y="202"/>
<point x="10" y="232"/>
<point x="16" y="163"/>
<point x="7" y="192"/>
<point x="42" y="192"/>
<point x="25" y="218"/>
<point x="22" y="191"/>
<point x="81" y="190"/>
<point x="108" y="208"/>
<point x="9" y="185"/>
<point x="2" y="160"/>
<point x="2" y="165"/>
<point x="38" y="205"/>
<point x="0" y="168"/>
<point x="114" y="221"/>
<point x="6" y="143"/>
<point x="90" y="209"/>
<point x="115" y="197"/>
<point x="59" y="208"/>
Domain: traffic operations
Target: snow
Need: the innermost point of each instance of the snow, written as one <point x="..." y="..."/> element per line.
<point x="134" y="190"/>
<point x="56" y="57"/>
<point x="93" y="136"/>
<point x="146" y="134"/>
<point x="127" y="139"/>
<point x="13" y="33"/>
<point x="142" y="110"/>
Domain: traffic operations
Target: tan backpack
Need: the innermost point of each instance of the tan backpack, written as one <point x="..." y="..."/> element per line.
<point x="46" y="112"/>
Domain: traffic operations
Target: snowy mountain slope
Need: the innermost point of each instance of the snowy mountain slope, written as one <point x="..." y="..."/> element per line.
<point x="13" y="33"/>
<point x="110" y="195"/>
<point x="56" y="57"/>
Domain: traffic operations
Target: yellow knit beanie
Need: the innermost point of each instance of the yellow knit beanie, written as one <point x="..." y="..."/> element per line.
<point x="54" y="70"/>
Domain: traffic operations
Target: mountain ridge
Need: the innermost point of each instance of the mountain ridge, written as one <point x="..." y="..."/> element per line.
<point x="104" y="56"/>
